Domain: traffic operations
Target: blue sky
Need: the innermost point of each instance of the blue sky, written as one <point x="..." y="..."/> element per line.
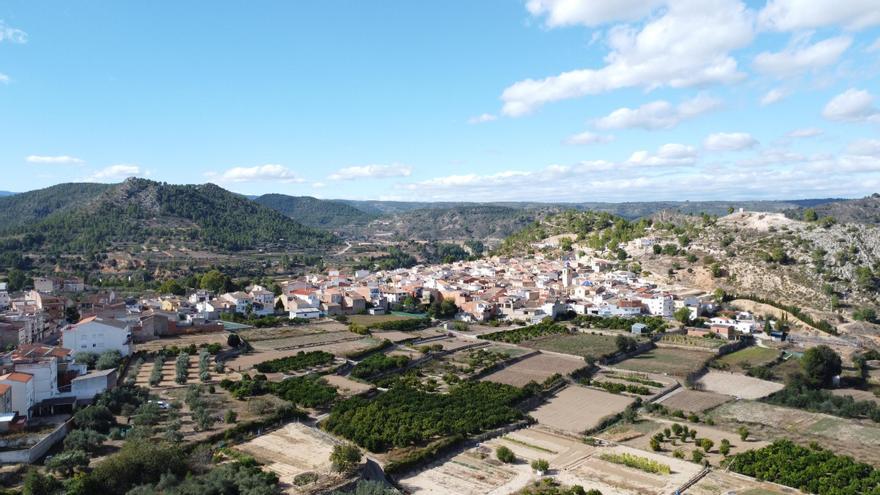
<point x="544" y="100"/>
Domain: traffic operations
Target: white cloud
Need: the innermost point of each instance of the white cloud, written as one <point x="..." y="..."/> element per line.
<point x="12" y="35"/>
<point x="116" y="172"/>
<point x="258" y="173"/>
<point x="873" y="47"/>
<point x="54" y="160"/>
<point x="4" y="78"/>
<point x="853" y="105"/>
<point x="589" y="12"/>
<point x="690" y="44"/>
<point x="588" y="137"/>
<point x="729" y="141"/>
<point x="805" y="132"/>
<point x="668" y="155"/>
<point x="864" y="147"/>
<point x="482" y="118"/>
<point x="658" y="114"/>
<point x="372" y="172"/>
<point x="791" y="15"/>
<point x="775" y="95"/>
<point x="801" y="57"/>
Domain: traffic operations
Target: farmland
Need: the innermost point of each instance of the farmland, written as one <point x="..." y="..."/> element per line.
<point x="576" y="409"/>
<point x="368" y="320"/>
<point x="671" y="361"/>
<point x="703" y="431"/>
<point x="535" y="369"/>
<point x="861" y="441"/>
<point x="691" y="341"/>
<point x="579" y="344"/>
<point x="737" y="385"/>
<point x="695" y="401"/>
<point x="294" y="450"/>
<point x="749" y="357"/>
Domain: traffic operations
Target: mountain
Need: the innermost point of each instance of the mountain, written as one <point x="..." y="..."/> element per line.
<point x="6" y="193"/>
<point x="140" y="210"/>
<point x="865" y="210"/>
<point x="477" y="222"/>
<point x="313" y="212"/>
<point x="26" y="208"/>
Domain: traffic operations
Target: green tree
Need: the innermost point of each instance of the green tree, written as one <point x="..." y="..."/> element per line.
<point x="85" y="440"/>
<point x="71" y="314"/>
<point x="108" y="360"/>
<point x="16" y="280"/>
<point x="345" y="457"/>
<point x="706" y="444"/>
<point x="810" y="215"/>
<point x="68" y="461"/>
<point x="540" y="465"/>
<point x="172" y="286"/>
<point x="820" y="365"/>
<point x="36" y="483"/>
<point x="95" y="417"/>
<point x="743" y="433"/>
<point x="505" y="455"/>
<point x="683" y="315"/>
<point x="725" y="447"/>
<point x="215" y="281"/>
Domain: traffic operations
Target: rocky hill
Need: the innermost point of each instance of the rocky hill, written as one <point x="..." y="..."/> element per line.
<point x="865" y="210"/>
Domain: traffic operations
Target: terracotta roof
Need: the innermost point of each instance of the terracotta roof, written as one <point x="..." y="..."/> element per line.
<point x="17" y="377"/>
<point x="4" y="387"/>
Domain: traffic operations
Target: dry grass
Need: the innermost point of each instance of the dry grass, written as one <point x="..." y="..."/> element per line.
<point x="671" y="361"/>
<point x="693" y="400"/>
<point x="736" y="385"/>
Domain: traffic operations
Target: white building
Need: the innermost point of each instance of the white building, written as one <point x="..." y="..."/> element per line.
<point x="92" y="384"/>
<point x="22" y="391"/>
<point x="660" y="305"/>
<point x="45" y="376"/>
<point x="98" y="335"/>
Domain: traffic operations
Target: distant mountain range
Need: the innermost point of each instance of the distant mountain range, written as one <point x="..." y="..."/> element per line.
<point x="6" y="193"/>
<point x="91" y="217"/>
<point x="326" y="214"/>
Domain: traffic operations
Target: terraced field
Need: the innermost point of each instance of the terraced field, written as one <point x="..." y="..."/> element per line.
<point x="671" y="361"/>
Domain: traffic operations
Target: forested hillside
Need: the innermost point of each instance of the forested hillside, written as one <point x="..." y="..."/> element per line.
<point x="865" y="210"/>
<point x="478" y="222"/>
<point x="138" y="210"/>
<point x="596" y="229"/>
<point x="313" y="212"/>
<point x="27" y="208"/>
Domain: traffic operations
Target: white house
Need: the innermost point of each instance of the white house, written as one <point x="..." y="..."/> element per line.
<point x="92" y="384"/>
<point x="659" y="305"/>
<point x="45" y="376"/>
<point x="22" y="391"/>
<point x="98" y="335"/>
<point x="305" y="312"/>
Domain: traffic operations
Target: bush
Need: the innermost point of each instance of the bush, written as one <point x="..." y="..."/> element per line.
<point x="540" y="465"/>
<point x="505" y="455"/>
<point x="84" y="439"/>
<point x="230" y="417"/>
<point x="345" y="457"/>
<point x="156" y="374"/>
<point x="637" y="462"/>
<point x="300" y="361"/>
<point x="181" y="368"/>
<point x="97" y="418"/>
<point x="109" y="360"/>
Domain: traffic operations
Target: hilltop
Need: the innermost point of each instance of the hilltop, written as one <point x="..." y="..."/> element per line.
<point x="313" y="212"/>
<point x="92" y="218"/>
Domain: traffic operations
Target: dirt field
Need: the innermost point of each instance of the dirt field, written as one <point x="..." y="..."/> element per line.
<point x="575" y="409"/>
<point x="724" y="483"/>
<point x="306" y="339"/>
<point x="183" y="341"/>
<point x="849" y="437"/>
<point x="169" y="373"/>
<point x="367" y="320"/>
<point x="695" y="401"/>
<point x="395" y="336"/>
<point x="582" y="344"/>
<point x="667" y="361"/>
<point x="535" y="368"/>
<point x="346" y="385"/>
<point x="736" y="385"/>
<point x="292" y="450"/>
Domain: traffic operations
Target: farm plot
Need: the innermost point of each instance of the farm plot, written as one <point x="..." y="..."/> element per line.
<point x="736" y="385"/>
<point x="694" y="401"/>
<point x="670" y="361"/>
<point x="843" y="436"/>
<point x="293" y="450"/>
<point x="724" y="483"/>
<point x="347" y="386"/>
<point x="580" y="344"/>
<point x="304" y="340"/>
<point x="182" y="341"/>
<point x="339" y="348"/>
<point x="617" y="479"/>
<point x="749" y="357"/>
<point x="857" y="395"/>
<point x="576" y="409"/>
<point x="395" y="336"/>
<point x="654" y="384"/>
<point x="367" y="320"/>
<point x="535" y="368"/>
<point x="703" y="431"/>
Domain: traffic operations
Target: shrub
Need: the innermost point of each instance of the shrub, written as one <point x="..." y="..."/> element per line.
<point x="505" y="455"/>
<point x="540" y="465"/>
<point x="637" y="462"/>
<point x="345" y="457"/>
<point x="181" y="367"/>
<point x="109" y="360"/>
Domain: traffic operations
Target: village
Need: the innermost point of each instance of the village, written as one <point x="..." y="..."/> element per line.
<point x="605" y="363"/>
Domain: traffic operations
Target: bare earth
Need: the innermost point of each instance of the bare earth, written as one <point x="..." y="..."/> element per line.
<point x="736" y="385"/>
<point x="686" y="400"/>
<point x="535" y="368"/>
<point x="575" y="409"/>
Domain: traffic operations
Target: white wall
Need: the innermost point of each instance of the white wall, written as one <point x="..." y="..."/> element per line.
<point x="95" y="336"/>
